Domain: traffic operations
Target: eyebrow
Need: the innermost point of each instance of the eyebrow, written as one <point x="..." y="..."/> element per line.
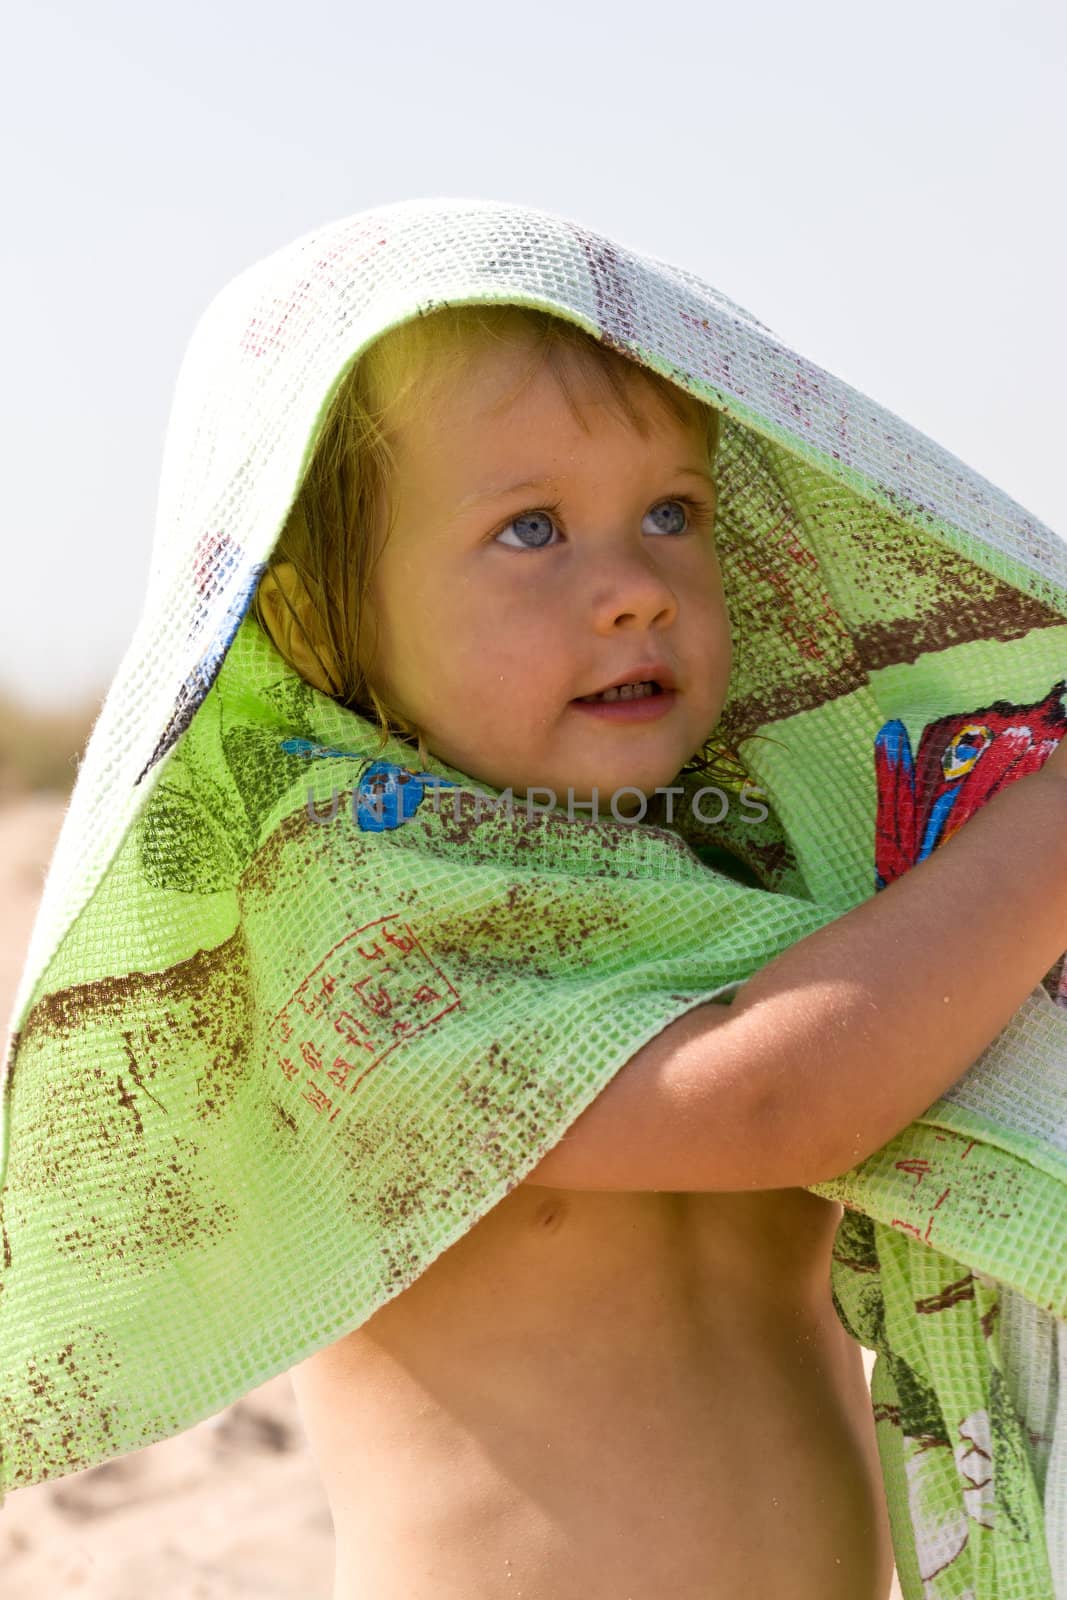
<point x="480" y="496"/>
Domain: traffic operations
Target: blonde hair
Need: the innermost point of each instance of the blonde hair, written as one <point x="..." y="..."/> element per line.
<point x="312" y="599"/>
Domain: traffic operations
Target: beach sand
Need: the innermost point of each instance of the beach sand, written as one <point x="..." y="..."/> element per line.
<point x="232" y="1507"/>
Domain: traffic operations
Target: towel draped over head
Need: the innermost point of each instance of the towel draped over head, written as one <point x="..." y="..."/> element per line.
<point x="272" y="1055"/>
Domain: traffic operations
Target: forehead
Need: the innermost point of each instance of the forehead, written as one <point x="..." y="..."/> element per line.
<point x="511" y="383"/>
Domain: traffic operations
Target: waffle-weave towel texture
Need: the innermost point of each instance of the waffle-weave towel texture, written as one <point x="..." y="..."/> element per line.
<point x="270" y="1058"/>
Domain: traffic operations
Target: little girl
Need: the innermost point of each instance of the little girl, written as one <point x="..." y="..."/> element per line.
<point x="615" y="1367"/>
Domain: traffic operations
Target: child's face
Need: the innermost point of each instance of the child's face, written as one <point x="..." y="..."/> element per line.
<point x="488" y="628"/>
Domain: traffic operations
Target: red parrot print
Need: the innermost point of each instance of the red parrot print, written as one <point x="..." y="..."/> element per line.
<point x="961" y="761"/>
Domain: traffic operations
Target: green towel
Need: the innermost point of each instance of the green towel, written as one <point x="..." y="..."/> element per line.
<point x="272" y="1054"/>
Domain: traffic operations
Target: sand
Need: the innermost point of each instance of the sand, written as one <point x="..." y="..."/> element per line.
<point x="232" y="1507"/>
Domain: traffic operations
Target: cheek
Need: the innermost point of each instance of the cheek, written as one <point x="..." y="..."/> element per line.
<point x="724" y="629"/>
<point x="720" y="609"/>
<point x="714" y="615"/>
<point x="715" y="648"/>
<point x="403" y="612"/>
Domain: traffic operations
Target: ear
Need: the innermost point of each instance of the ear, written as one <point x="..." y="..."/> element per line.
<point x="287" y="609"/>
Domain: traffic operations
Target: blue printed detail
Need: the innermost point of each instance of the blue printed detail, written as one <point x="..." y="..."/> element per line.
<point x="895" y="777"/>
<point x="936" y="821"/>
<point x="386" y="795"/>
<point x="892" y="740"/>
<point x="305" y="747"/>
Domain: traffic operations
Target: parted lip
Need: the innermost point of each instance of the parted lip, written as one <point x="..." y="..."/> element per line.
<point x="645" y="672"/>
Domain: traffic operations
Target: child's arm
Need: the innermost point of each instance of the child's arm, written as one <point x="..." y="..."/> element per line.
<point x="849" y="1035"/>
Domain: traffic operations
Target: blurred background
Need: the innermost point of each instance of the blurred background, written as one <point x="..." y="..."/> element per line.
<point x="881" y="186"/>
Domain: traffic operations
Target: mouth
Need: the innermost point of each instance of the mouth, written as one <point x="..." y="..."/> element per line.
<point x="638" y="699"/>
<point x="645" y="681"/>
<point x="643" y="690"/>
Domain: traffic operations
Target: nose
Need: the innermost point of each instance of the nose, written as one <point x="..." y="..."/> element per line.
<point x="630" y="590"/>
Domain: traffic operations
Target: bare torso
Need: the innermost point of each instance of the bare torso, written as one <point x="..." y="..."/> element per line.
<point x="606" y="1396"/>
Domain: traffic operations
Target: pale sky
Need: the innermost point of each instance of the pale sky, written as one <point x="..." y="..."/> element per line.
<point x="882" y="185"/>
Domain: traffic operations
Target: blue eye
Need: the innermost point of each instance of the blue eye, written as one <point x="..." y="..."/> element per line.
<point x="537" y="524"/>
<point x="538" y="521"/>
<point x="675" y="505"/>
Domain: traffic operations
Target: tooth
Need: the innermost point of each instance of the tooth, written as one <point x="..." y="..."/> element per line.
<point x="624" y="691"/>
